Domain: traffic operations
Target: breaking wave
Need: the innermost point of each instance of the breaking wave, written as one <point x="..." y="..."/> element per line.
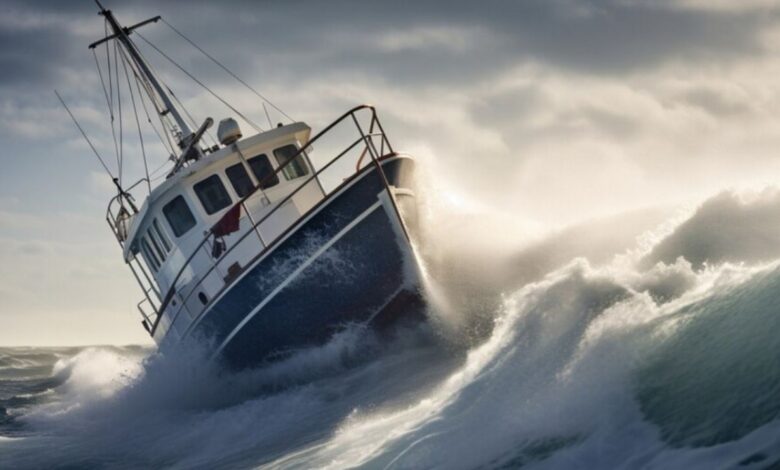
<point x="655" y="347"/>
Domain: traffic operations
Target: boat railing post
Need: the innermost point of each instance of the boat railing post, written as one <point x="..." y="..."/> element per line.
<point x="380" y="171"/>
<point x="141" y="310"/>
<point x="381" y="135"/>
<point x="382" y="130"/>
<point x="145" y="289"/>
<point x="255" y="227"/>
<point x="148" y="279"/>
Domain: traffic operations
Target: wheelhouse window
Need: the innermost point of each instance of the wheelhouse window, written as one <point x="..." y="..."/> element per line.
<point x="212" y="194"/>
<point x="156" y="245"/>
<point x="239" y="179"/>
<point x="297" y="167"/>
<point x="179" y="216"/>
<point x="262" y="169"/>
<point x="149" y="255"/>
<point x="166" y="242"/>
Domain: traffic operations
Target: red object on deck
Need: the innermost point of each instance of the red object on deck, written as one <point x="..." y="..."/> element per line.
<point x="228" y="223"/>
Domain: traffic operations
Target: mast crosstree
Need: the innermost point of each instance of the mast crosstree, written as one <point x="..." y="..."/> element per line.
<point x="186" y="139"/>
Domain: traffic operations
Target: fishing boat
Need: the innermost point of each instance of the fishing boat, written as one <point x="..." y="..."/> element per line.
<point x="252" y="246"/>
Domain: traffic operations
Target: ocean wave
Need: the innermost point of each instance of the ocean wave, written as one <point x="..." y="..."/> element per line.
<point x="655" y="355"/>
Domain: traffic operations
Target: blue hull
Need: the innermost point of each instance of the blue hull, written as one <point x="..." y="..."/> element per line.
<point x="348" y="261"/>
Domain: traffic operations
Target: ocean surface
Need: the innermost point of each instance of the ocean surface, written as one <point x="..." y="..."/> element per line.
<point x="646" y="340"/>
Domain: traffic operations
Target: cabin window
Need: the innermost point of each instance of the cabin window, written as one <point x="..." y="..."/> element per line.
<point x="166" y="242"/>
<point x="179" y="216"/>
<point x="149" y="255"/>
<point x="262" y="169"/>
<point x="297" y="167"/>
<point x="156" y="245"/>
<point x="212" y="194"/>
<point x="240" y="180"/>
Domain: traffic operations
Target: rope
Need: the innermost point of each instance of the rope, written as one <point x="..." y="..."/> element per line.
<point x="148" y="87"/>
<point x="139" y="80"/>
<point x="154" y="174"/>
<point x="169" y="148"/>
<point x="84" y="134"/>
<point x="218" y="63"/>
<point x="195" y="125"/>
<point x="119" y="108"/>
<point x="111" y="94"/>
<point x="192" y="77"/>
<point x="268" y="116"/>
<point x="137" y="121"/>
<point x="167" y="130"/>
<point x="102" y="82"/>
<point x="108" y="60"/>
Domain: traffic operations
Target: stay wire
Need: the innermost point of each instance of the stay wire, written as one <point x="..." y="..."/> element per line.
<point x="192" y="121"/>
<point x="102" y="82"/>
<point x="230" y="72"/>
<point x="170" y="148"/>
<point x="137" y="121"/>
<point x="119" y="109"/>
<point x="108" y="61"/>
<point x="192" y="77"/>
<point x="165" y="123"/>
<point x="140" y="78"/>
<point x="138" y="82"/>
<point x="94" y="150"/>
<point x="111" y="94"/>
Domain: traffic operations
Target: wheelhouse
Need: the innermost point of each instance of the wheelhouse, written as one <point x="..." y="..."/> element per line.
<point x="177" y="214"/>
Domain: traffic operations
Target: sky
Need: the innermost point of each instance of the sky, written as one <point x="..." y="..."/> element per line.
<point x="550" y="111"/>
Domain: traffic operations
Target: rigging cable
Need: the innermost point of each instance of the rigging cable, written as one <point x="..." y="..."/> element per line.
<point x="194" y="124"/>
<point x="111" y="94"/>
<point x="187" y="114"/>
<point x="168" y="148"/>
<point x="218" y="63"/>
<point x="167" y="130"/>
<point x="137" y="122"/>
<point x="119" y="108"/>
<point x="268" y="116"/>
<point x="84" y="134"/>
<point x="102" y="82"/>
<point x="192" y="77"/>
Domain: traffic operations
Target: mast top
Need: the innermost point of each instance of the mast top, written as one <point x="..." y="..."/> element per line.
<point x="120" y="33"/>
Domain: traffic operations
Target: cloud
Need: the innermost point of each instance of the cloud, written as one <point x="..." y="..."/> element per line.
<point x="555" y="110"/>
<point x="727" y="6"/>
<point x="726" y="228"/>
<point x="432" y="37"/>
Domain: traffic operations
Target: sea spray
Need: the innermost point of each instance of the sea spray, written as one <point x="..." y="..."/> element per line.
<point x="562" y="355"/>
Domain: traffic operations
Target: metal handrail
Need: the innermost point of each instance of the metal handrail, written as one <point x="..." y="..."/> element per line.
<point x="366" y="138"/>
<point x="278" y="205"/>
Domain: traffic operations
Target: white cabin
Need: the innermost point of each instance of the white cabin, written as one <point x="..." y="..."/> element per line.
<point x="180" y="212"/>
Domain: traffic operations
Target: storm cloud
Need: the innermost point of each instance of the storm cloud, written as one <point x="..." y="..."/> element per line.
<point x="553" y="111"/>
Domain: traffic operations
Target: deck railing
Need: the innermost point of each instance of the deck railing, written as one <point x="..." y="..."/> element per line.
<point x="370" y="141"/>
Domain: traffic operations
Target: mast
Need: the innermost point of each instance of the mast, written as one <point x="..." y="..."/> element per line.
<point x="122" y="34"/>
